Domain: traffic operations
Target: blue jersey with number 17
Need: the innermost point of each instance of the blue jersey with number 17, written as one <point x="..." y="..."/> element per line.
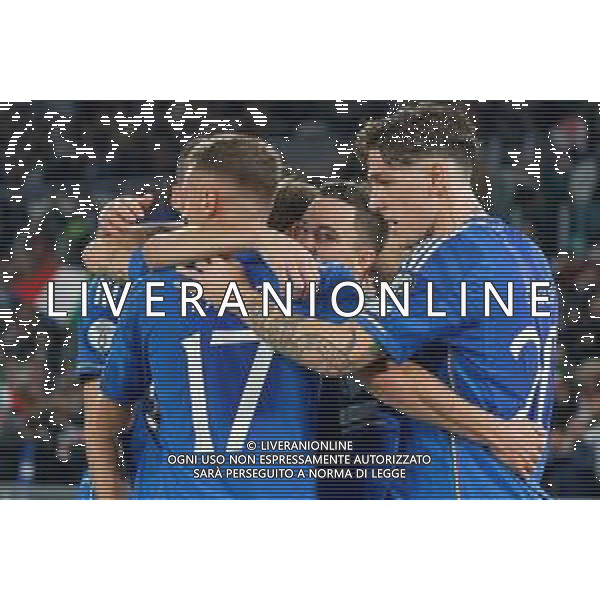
<point x="502" y="363"/>
<point x="219" y="390"/>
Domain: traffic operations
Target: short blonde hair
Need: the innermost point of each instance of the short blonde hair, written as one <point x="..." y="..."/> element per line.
<point x="250" y="161"/>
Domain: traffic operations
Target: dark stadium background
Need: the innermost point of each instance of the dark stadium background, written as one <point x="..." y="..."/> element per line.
<point x="63" y="160"/>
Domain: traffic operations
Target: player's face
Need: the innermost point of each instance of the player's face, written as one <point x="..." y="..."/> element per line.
<point x="181" y="197"/>
<point x="328" y="229"/>
<point x="404" y="196"/>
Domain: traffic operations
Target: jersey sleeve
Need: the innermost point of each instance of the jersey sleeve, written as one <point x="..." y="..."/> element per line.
<point x="126" y="374"/>
<point x="402" y="336"/>
<point x="94" y="334"/>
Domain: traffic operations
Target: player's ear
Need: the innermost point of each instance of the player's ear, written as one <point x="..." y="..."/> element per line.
<point x="439" y="177"/>
<point x="365" y="259"/>
<point x="184" y="198"/>
<point x="177" y="196"/>
<point x="211" y="203"/>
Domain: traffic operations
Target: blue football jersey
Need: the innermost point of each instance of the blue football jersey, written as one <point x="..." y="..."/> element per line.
<point x="95" y="331"/>
<point x="219" y="391"/>
<point x="501" y="363"/>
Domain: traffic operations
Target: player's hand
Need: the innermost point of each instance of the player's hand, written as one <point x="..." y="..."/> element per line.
<point x="290" y="261"/>
<point x="520" y="445"/>
<point x="214" y="275"/>
<point x="122" y="213"/>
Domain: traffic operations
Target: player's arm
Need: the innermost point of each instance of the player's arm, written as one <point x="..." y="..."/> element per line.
<point x="338" y="349"/>
<point x="103" y="422"/>
<point x="191" y="244"/>
<point x="110" y="255"/>
<point x="412" y="390"/>
<point x="331" y="349"/>
<point x="118" y="235"/>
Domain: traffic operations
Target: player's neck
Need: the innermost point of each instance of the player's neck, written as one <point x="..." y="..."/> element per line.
<point x="449" y="219"/>
<point x="389" y="258"/>
<point x="454" y="213"/>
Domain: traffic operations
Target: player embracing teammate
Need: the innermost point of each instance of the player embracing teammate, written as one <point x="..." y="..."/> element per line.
<point x="464" y="381"/>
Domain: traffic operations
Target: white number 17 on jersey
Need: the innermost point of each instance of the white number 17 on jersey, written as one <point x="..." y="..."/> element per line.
<point x="250" y="395"/>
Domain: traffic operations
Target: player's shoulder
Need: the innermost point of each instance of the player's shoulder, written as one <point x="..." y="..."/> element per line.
<point x="446" y="257"/>
<point x="506" y="248"/>
<point x="481" y="234"/>
<point x="487" y="242"/>
<point x="489" y="234"/>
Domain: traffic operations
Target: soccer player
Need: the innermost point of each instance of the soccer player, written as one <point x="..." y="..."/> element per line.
<point x="216" y="385"/>
<point x="329" y="230"/>
<point x="420" y="162"/>
<point x="106" y="478"/>
<point x="116" y="238"/>
<point x="337" y="228"/>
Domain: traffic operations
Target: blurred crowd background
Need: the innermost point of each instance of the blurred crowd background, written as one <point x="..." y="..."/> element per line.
<point x="62" y="161"/>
